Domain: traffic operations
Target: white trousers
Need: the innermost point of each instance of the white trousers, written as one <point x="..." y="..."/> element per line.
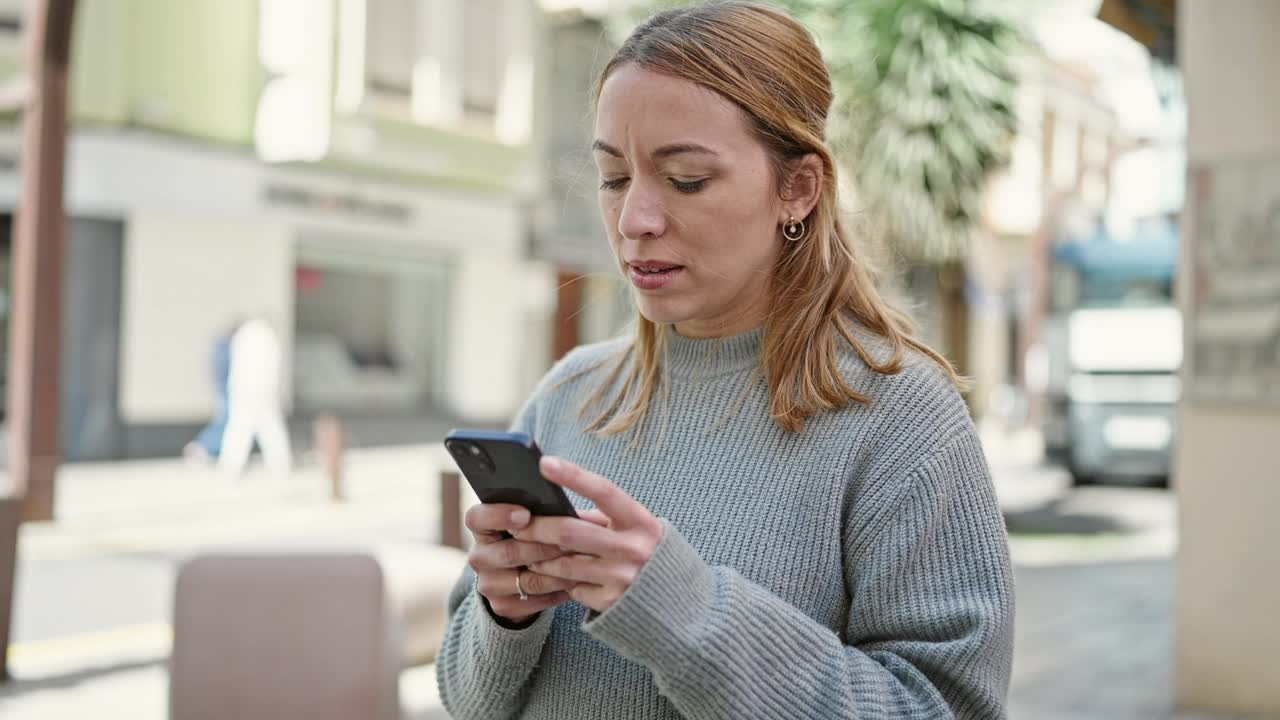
<point x="246" y="422"/>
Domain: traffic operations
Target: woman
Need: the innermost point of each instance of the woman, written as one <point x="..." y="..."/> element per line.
<point x="792" y="514"/>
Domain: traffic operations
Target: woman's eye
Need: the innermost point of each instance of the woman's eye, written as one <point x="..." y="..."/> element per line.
<point x="689" y="187"/>
<point x="613" y="183"/>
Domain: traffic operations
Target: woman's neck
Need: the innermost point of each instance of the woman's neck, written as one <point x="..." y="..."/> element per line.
<point x="739" y="317"/>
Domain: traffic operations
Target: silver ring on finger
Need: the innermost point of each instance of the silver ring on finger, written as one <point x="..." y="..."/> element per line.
<point x="519" y="589"/>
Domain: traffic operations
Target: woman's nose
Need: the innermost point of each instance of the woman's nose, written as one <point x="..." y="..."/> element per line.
<point x="642" y="214"/>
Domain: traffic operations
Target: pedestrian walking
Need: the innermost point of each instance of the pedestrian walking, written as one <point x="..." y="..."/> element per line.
<point x="253" y="394"/>
<point x="207" y="445"/>
<point x="785" y="511"/>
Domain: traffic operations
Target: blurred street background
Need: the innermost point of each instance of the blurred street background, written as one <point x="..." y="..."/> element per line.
<point x="399" y="194"/>
<point x="94" y="607"/>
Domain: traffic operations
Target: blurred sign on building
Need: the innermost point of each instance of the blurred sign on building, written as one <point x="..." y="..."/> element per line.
<point x="1233" y="327"/>
<point x="567" y="227"/>
<point x="353" y="204"/>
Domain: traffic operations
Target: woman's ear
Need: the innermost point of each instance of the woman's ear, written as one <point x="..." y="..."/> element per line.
<point x="802" y="188"/>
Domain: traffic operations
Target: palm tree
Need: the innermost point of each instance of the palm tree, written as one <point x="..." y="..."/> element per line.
<point x="924" y="113"/>
<point x="924" y="109"/>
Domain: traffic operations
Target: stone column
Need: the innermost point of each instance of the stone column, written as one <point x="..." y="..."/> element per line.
<point x="1227" y="468"/>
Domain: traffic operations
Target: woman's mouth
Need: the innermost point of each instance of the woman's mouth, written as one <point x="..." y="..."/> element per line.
<point x="652" y="275"/>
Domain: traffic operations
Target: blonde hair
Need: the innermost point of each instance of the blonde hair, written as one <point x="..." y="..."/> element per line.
<point x="767" y="64"/>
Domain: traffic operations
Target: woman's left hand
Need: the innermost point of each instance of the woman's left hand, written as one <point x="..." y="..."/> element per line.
<point x="603" y="558"/>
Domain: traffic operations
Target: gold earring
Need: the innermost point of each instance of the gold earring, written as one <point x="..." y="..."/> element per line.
<point x="793" y="230"/>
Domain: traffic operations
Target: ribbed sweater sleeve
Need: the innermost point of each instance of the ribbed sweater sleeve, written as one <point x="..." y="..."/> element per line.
<point x="483" y="669"/>
<point x="930" y="623"/>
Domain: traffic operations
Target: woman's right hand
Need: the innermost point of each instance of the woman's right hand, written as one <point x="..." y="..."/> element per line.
<point x="498" y="561"/>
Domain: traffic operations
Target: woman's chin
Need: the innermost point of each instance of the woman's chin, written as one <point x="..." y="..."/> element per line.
<point x="663" y="313"/>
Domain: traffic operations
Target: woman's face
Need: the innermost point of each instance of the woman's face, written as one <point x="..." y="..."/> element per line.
<point x="689" y="200"/>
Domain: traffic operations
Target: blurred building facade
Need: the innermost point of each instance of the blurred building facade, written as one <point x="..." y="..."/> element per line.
<point x="1098" y="155"/>
<point x="1090" y="200"/>
<point x="361" y="173"/>
<point x="365" y="172"/>
<point x="1062" y="156"/>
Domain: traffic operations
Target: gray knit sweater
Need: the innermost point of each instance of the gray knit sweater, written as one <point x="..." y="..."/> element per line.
<point x="859" y="569"/>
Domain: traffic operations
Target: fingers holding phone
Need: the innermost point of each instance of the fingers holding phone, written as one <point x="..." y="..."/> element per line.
<point x="491" y="523"/>
<point x="503" y="469"/>
<point x="514" y="592"/>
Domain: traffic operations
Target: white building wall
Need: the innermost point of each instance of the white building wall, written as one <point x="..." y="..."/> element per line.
<point x="203" y="242"/>
<point x="183" y="282"/>
<point x="489" y="341"/>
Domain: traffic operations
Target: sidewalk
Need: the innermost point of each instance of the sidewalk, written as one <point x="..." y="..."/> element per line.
<point x="110" y="513"/>
<point x="1094" y="573"/>
<point x="166" y="504"/>
<point x="1093" y="634"/>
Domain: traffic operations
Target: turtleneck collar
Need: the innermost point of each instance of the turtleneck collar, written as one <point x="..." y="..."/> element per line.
<point x="704" y="357"/>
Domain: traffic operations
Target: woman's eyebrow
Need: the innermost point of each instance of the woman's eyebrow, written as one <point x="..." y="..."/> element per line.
<point x="665" y="151"/>
<point x="606" y="148"/>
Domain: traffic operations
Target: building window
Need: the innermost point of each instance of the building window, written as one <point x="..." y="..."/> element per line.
<point x="445" y="63"/>
<point x="368" y="327"/>
<point x="482" y="59"/>
<point x="13" y="15"/>
<point x="1064" y="165"/>
<point x="394" y="42"/>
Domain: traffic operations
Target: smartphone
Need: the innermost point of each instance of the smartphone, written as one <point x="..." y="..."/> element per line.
<point x="502" y="467"/>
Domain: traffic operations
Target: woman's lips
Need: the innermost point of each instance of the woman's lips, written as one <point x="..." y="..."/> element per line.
<point x="653" y="280"/>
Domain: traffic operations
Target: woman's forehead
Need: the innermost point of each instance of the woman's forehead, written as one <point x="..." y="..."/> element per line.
<point x="643" y="109"/>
